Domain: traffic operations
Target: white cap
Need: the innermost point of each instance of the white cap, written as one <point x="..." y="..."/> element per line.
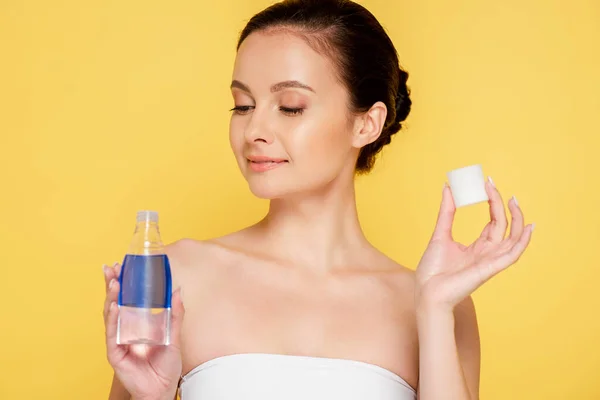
<point x="147" y="216"/>
<point x="468" y="185"/>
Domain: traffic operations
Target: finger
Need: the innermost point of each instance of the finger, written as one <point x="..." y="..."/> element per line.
<point x="443" y="227"/>
<point x="486" y="231"/>
<point x="507" y="259"/>
<point x="117" y="268"/>
<point x="178" y="311"/>
<point x="498" y="220"/>
<point x="517" y="221"/>
<point x="112" y="295"/>
<point x="473" y="277"/>
<point x="114" y="352"/>
<point x="513" y="255"/>
<point x="109" y="274"/>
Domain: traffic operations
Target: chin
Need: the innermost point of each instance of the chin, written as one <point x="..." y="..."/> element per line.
<point x="273" y="185"/>
<point x="269" y="189"/>
<point x="279" y="187"/>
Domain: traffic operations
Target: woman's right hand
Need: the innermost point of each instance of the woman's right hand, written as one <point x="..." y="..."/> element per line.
<point x="147" y="372"/>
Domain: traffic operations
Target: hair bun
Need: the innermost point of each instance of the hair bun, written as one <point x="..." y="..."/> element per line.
<point x="403" y="101"/>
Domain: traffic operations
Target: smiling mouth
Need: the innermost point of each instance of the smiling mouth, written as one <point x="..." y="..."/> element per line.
<point x="261" y="166"/>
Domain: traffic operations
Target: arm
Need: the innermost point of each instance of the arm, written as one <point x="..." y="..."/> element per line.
<point x="118" y="391"/>
<point x="449" y="352"/>
<point x="447" y="274"/>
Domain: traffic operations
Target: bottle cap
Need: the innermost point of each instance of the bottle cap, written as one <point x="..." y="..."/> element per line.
<point x="147" y="216"/>
<point x="468" y="185"/>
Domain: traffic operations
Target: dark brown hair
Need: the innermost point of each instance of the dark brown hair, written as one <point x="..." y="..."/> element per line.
<point x="357" y="44"/>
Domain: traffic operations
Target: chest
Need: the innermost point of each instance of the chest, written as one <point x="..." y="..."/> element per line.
<point x="357" y="317"/>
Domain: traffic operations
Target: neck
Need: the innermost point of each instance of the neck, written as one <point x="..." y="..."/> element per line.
<point x="318" y="230"/>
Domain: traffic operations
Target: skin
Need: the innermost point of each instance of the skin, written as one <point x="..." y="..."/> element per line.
<point x="304" y="280"/>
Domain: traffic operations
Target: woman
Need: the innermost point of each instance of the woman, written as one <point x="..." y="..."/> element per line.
<point x="301" y="305"/>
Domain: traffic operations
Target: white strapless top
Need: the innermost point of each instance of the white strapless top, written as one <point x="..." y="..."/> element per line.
<point x="258" y="376"/>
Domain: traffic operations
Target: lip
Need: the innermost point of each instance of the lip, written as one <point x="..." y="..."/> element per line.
<point x="263" y="159"/>
<point x="263" y="163"/>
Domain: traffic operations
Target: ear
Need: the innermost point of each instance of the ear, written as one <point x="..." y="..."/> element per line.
<point x="368" y="126"/>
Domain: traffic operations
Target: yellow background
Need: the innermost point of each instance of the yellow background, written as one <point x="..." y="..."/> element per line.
<point x="107" y="107"/>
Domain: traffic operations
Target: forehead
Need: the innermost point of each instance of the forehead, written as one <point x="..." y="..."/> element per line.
<point x="265" y="58"/>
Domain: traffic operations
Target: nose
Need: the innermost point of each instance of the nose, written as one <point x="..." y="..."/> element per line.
<point x="258" y="129"/>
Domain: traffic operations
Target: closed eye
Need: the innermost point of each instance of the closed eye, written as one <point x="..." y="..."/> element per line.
<point x="291" y="111"/>
<point x="241" y="109"/>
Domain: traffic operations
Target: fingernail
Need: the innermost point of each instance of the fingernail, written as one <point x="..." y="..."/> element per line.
<point x="515" y="200"/>
<point x="105" y="269"/>
<point x="115" y="264"/>
<point x="111" y="284"/>
<point x="491" y="181"/>
<point x="532" y="227"/>
<point x="445" y="186"/>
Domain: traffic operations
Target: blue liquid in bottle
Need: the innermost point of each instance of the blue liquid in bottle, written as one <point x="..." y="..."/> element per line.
<point x="145" y="287"/>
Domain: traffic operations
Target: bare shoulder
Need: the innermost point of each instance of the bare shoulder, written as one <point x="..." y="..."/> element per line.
<point x="467" y="329"/>
<point x="404" y="278"/>
<point x="185" y="252"/>
<point x="192" y="255"/>
<point x="466" y="326"/>
<point x="465" y="310"/>
<point x="193" y="260"/>
<point x="466" y="332"/>
<point x="396" y="274"/>
<point x="396" y="282"/>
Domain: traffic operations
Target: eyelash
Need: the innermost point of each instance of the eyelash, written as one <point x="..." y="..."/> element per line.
<point x="242" y="110"/>
<point x="291" y="111"/>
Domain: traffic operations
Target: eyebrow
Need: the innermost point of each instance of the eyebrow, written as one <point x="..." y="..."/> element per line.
<point x="276" y="87"/>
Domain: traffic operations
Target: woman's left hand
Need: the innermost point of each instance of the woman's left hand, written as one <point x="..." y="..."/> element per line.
<point x="449" y="271"/>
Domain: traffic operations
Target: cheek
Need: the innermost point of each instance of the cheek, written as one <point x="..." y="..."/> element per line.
<point x="321" y="142"/>
<point x="236" y="134"/>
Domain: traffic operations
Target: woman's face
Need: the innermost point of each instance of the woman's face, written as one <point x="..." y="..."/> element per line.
<point x="291" y="131"/>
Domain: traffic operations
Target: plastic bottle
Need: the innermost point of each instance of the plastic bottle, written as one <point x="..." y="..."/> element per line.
<point x="145" y="287"/>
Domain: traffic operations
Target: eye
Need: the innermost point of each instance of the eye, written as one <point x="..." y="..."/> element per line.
<point x="241" y="110"/>
<point x="291" y="111"/>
